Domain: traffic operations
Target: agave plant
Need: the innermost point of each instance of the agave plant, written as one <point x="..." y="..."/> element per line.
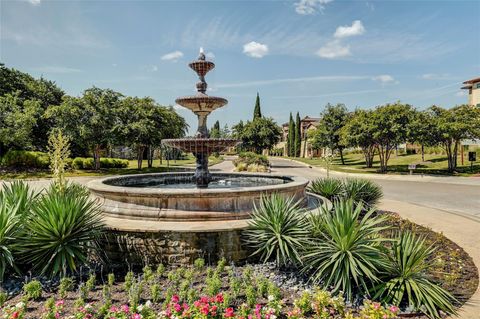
<point x="331" y="188"/>
<point x="60" y="231"/>
<point x="16" y="200"/>
<point x="347" y="254"/>
<point x="278" y="229"/>
<point x="405" y="280"/>
<point x="362" y="191"/>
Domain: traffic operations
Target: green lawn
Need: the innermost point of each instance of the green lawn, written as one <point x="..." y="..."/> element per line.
<point x="434" y="164"/>
<point x="131" y="169"/>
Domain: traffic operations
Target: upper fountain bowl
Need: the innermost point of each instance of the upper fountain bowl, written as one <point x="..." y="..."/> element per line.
<point x="201" y="145"/>
<point x="201" y="102"/>
<point x="201" y="66"/>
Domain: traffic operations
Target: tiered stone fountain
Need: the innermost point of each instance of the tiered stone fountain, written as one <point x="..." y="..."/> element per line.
<point x="177" y="217"/>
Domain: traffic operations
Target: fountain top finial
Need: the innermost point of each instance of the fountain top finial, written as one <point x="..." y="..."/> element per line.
<point x="201" y="56"/>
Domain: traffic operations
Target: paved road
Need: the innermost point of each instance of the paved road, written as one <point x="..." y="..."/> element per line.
<point x="436" y="193"/>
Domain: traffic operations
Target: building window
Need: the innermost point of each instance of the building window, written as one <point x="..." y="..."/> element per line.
<point x="478" y="85"/>
<point x="478" y="105"/>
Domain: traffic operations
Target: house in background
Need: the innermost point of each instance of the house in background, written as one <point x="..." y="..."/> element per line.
<point x="306" y="124"/>
<point x="473" y="87"/>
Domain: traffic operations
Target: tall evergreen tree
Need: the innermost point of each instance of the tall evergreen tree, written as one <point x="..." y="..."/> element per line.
<point x="257" y="113"/>
<point x="298" y="137"/>
<point x="291" y="137"/>
<point x="215" y="131"/>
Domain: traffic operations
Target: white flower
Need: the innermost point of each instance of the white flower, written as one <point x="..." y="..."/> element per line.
<point x="21" y="304"/>
<point x="88" y="306"/>
<point x="148" y="304"/>
<point x="140" y="307"/>
<point x="271" y="298"/>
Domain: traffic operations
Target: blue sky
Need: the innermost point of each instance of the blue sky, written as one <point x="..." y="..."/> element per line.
<point x="299" y="55"/>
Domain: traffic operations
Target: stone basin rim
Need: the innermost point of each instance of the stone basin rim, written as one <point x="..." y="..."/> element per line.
<point x="99" y="185"/>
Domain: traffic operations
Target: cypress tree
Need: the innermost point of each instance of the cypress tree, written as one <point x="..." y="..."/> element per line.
<point x="215" y="131"/>
<point x="298" y="137"/>
<point x="291" y="137"/>
<point x="257" y="113"/>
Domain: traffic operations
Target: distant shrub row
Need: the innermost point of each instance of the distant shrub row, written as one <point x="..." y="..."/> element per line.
<point x="40" y="160"/>
<point x="251" y="162"/>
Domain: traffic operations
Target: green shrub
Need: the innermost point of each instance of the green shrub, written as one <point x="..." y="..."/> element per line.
<point x="66" y="284"/>
<point x="253" y="158"/>
<point x="33" y="289"/>
<point x="16" y="199"/>
<point x="330" y="188"/>
<point x="63" y="239"/>
<point x="406" y="282"/>
<point x="77" y="163"/>
<point x="347" y="254"/>
<point x="25" y="159"/>
<point x="278" y="229"/>
<point x="105" y="162"/>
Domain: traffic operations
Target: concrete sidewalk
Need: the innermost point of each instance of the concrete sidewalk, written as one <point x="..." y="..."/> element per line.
<point x="459" y="180"/>
<point x="460" y="229"/>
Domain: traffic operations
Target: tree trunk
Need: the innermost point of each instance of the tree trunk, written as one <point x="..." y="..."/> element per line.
<point x="96" y="156"/>
<point x="423" y="153"/>
<point x="369" y="153"/>
<point x="150" y="156"/>
<point x="161" y="155"/>
<point x="140" y="150"/>
<point x="341" y="156"/>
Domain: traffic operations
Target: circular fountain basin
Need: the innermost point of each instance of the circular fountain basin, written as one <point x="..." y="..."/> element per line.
<point x="163" y="218"/>
<point x="173" y="197"/>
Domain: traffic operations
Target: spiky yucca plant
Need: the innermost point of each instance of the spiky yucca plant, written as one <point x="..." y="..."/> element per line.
<point x="16" y="200"/>
<point x="405" y="280"/>
<point x="330" y="188"/>
<point x="362" y="191"/>
<point x="278" y="229"/>
<point x="60" y="231"/>
<point x="347" y="253"/>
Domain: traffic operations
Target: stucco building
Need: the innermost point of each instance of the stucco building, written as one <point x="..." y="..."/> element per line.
<point x="306" y="124"/>
<point x="473" y="87"/>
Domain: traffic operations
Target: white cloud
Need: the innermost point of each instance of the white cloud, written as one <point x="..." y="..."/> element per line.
<point x="307" y="7"/>
<point x="35" y="2"/>
<point x="172" y="56"/>
<point x="334" y="49"/>
<point x="356" y="28"/>
<point x="255" y="50"/>
<point x="384" y="78"/>
<point x="57" y="69"/>
<point x="461" y="93"/>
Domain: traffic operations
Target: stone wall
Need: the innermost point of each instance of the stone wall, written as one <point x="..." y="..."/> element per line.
<point x="174" y="248"/>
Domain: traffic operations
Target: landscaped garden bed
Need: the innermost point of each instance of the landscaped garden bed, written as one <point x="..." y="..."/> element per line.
<point x="325" y="264"/>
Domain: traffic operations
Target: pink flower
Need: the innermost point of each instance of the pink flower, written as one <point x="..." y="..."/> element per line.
<point x="196" y="304"/>
<point x="385" y="316"/>
<point x="177" y="307"/>
<point x="113" y="309"/>
<point x="204" y="310"/>
<point x="394" y="309"/>
<point x="204" y="299"/>
<point x="175" y="298"/>
<point x="219" y="298"/>
<point x="136" y="316"/>
<point x="125" y="308"/>
<point x="229" y="313"/>
<point x="15" y="315"/>
<point x="59" y="303"/>
<point x="168" y="313"/>
<point x="57" y="315"/>
<point x="376" y="305"/>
